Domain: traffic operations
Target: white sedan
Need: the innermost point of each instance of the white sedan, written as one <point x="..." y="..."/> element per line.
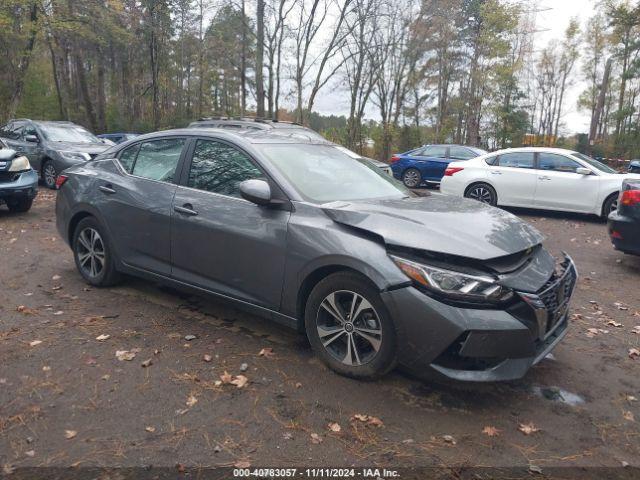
<point x="544" y="178"/>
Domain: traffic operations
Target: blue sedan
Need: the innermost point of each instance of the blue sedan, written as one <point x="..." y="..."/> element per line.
<point x="426" y="165"/>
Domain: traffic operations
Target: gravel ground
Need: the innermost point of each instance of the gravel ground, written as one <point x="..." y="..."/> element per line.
<point x="67" y="400"/>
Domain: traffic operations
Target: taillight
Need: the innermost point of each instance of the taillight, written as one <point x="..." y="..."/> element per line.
<point x="394" y="159"/>
<point x="60" y="181"/>
<point x="630" y="198"/>
<point x="451" y="170"/>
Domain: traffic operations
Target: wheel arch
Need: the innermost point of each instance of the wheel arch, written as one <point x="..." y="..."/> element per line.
<point x="614" y="193"/>
<point x="473" y="183"/>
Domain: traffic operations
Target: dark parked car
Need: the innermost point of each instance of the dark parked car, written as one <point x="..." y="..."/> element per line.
<point x="634" y="166"/>
<point x="118" y="137"/>
<point x="18" y="181"/>
<point x="426" y="165"/>
<point x="303" y="234"/>
<point x="51" y="146"/>
<point x="624" y="223"/>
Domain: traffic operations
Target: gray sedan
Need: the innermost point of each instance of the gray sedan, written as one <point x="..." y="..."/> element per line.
<point x="298" y="231"/>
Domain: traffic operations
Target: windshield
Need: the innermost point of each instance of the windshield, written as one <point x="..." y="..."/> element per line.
<point x="68" y="133"/>
<point x="322" y="174"/>
<point x="594" y="163"/>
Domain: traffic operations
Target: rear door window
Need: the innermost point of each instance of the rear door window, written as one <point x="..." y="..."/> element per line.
<point x="516" y="160"/>
<point x="158" y="159"/>
<point x="435" y="152"/>
<point x="461" y="153"/>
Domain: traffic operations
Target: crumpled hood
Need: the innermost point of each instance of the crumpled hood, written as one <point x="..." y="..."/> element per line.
<point x="449" y="225"/>
<point x="91" y="148"/>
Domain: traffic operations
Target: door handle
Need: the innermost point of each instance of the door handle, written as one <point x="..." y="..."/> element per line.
<point x="544" y="178"/>
<point x="107" y="189"/>
<point x="186" y="209"/>
<point x="495" y="172"/>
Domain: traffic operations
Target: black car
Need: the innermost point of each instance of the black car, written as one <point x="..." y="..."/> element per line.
<point x="18" y="181"/>
<point x="624" y="223"/>
<point x="51" y="146"/>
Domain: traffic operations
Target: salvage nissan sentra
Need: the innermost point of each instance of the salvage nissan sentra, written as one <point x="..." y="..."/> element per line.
<point x="296" y="230"/>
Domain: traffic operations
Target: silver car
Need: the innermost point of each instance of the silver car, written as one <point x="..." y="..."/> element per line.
<point x="300" y="232"/>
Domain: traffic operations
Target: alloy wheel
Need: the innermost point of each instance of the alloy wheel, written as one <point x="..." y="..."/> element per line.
<point x="411" y="178"/>
<point x="91" y="252"/>
<point x="50" y="175"/>
<point x="482" y="194"/>
<point x="349" y="327"/>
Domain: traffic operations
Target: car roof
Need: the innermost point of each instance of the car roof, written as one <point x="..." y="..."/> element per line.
<point x="253" y="136"/>
<point x="563" y="151"/>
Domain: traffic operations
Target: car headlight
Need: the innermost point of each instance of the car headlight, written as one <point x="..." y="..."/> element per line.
<point x="76" y="156"/>
<point x="20" y="164"/>
<point x="455" y="285"/>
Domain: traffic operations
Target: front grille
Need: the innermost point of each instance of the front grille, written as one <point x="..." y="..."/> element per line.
<point x="555" y="295"/>
<point x="6" y="177"/>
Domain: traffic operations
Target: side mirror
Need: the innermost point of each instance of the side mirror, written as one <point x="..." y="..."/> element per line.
<point x="583" y="171"/>
<point x="256" y="191"/>
<point x="31" y="139"/>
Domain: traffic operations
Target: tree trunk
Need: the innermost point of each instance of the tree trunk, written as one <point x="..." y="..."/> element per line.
<point x="23" y="65"/>
<point x="259" y="59"/>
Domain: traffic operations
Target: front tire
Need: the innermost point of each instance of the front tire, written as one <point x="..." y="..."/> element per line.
<point x="93" y="254"/>
<point x="49" y="174"/>
<point x="19" y="205"/>
<point x="349" y="327"/>
<point x="610" y="205"/>
<point x="483" y="193"/>
<point x="412" y="178"/>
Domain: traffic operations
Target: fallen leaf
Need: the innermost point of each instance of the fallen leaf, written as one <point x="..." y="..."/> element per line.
<point x="26" y="310"/>
<point x="191" y="401"/>
<point x="631" y="398"/>
<point x="56" y="277"/>
<point x="266" y="352"/>
<point x="535" y="469"/>
<point x="636" y="329"/>
<point x="315" y="438"/>
<point x="69" y="434"/>
<point x="226" y="377"/>
<point x="35" y="343"/>
<point x="242" y="464"/>
<point x="613" y="323"/>
<point x="147" y="363"/>
<point x="449" y="439"/>
<point x="150" y="429"/>
<point x="375" y="421"/>
<point x="334" y="427"/>
<point x="125" y="355"/>
<point x="368" y="419"/>
<point x="528" y="428"/>
<point x="240" y="381"/>
<point x="634" y="352"/>
<point x="207" y="358"/>
<point x="103" y="337"/>
<point x="58" y="313"/>
<point x="30" y="453"/>
<point x="491" y="431"/>
<point x="8" y="469"/>
<point x="46" y="368"/>
<point x="629" y="416"/>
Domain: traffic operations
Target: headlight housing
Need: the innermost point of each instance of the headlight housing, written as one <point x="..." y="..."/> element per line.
<point x="20" y="164"/>
<point x="76" y="156"/>
<point x="454" y="285"/>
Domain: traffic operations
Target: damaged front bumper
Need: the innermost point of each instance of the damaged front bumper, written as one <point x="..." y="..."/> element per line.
<point x="482" y="344"/>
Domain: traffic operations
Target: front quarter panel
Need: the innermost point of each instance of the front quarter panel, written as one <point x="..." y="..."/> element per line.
<point x="314" y="242"/>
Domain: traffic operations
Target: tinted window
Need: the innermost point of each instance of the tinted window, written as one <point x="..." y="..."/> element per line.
<point x="461" y="153"/>
<point x="595" y="163"/>
<point x="158" y="159"/>
<point x="491" y="160"/>
<point x="12" y="130"/>
<point x="437" y="152"/>
<point x="516" y="160"/>
<point x="558" y="163"/>
<point x="220" y="168"/>
<point x="128" y="157"/>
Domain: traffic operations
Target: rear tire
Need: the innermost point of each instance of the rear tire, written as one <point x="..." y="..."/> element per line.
<point x="49" y="174"/>
<point x="412" y="178"/>
<point x="19" y="205"/>
<point x="93" y="254"/>
<point x="349" y="327"/>
<point x="482" y="192"/>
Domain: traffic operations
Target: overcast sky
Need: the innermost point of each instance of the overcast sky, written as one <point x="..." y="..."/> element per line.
<point x="553" y="17"/>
